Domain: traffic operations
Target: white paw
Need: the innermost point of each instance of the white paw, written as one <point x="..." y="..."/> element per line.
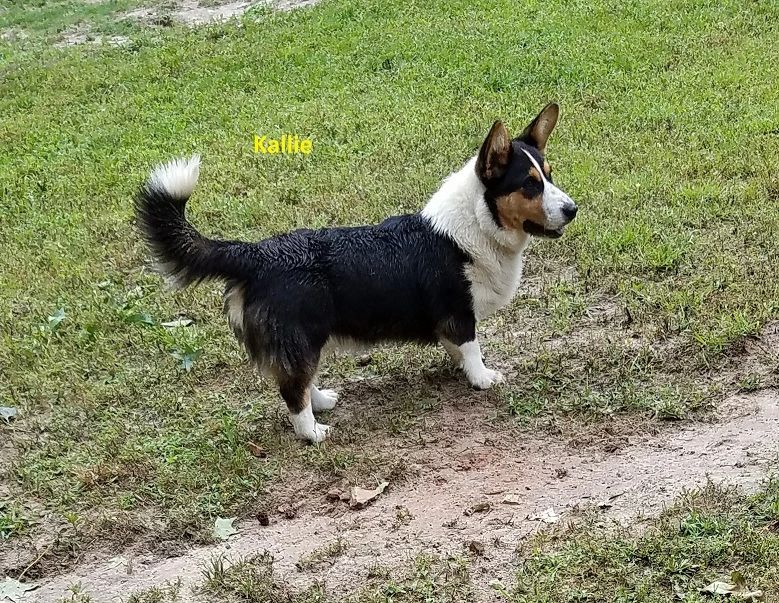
<point x="485" y="379"/>
<point x="323" y="399"/>
<point x="316" y="435"/>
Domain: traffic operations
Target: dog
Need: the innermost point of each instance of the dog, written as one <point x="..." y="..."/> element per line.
<point x="426" y="277"/>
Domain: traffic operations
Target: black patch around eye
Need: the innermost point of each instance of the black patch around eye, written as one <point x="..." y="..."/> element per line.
<point x="532" y="186"/>
<point x="517" y="178"/>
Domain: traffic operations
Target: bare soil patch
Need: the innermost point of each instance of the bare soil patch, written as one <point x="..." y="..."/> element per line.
<point x="471" y="483"/>
<point x="83" y="34"/>
<point x="193" y="13"/>
<point x="12" y="35"/>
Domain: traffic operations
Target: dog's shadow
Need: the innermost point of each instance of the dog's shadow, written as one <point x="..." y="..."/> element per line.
<point x="397" y="404"/>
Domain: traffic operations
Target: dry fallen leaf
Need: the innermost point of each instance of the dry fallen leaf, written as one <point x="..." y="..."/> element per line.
<point x="14" y="590"/>
<point x="179" y="322"/>
<point x="361" y="497"/>
<point x="7" y="413"/>
<point x="736" y="588"/>
<point x="548" y="516"/>
<point x="223" y="528"/>
<point x="256" y="450"/>
<point x="719" y="588"/>
<point x="123" y="562"/>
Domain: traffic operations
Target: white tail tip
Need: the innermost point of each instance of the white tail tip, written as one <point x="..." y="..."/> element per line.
<point x="177" y="177"/>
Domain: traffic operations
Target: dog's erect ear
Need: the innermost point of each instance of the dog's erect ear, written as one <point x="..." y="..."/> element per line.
<point x="537" y="133"/>
<point x="495" y="153"/>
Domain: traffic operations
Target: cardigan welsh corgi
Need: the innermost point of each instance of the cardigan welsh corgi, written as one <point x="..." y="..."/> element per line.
<point x="426" y="277"/>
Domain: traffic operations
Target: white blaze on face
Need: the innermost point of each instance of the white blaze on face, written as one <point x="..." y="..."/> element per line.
<point x="553" y="201"/>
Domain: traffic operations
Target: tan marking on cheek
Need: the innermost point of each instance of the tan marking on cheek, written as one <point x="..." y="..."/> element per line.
<point x="534" y="174"/>
<point x="515" y="208"/>
<point x="547" y="168"/>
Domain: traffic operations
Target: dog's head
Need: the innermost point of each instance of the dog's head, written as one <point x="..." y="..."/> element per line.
<point x="520" y="193"/>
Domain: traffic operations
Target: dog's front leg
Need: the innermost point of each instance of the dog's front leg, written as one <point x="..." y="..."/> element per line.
<point x="460" y="341"/>
<point x="473" y="364"/>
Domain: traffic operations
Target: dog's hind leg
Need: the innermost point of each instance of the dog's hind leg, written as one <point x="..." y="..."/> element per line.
<point x="297" y="393"/>
<point x="323" y="399"/>
<point x="289" y="349"/>
<point x="454" y="352"/>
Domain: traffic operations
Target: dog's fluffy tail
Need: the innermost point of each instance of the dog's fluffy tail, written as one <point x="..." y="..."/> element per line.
<point x="180" y="251"/>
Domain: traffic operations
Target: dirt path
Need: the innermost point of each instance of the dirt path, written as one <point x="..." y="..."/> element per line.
<point x="194" y="12"/>
<point x="467" y="465"/>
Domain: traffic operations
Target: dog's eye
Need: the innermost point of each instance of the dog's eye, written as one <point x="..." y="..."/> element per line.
<point x="529" y="182"/>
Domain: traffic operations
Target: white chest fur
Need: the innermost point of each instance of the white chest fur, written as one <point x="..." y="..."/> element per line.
<point x="459" y="211"/>
<point x="493" y="285"/>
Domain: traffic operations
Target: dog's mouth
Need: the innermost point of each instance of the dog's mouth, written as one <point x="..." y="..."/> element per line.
<point x="537" y="230"/>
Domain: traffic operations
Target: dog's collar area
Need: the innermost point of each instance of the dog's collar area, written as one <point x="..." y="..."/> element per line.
<point x="537" y="230"/>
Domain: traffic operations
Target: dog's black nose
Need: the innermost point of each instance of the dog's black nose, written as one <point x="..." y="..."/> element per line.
<point x="569" y="211"/>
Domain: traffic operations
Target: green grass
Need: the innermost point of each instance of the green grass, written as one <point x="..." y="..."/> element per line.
<point x="50" y="21"/>
<point x="668" y="141"/>
<point x="12" y="521"/>
<point x="169" y="593"/>
<point x="704" y="537"/>
<point x="252" y="580"/>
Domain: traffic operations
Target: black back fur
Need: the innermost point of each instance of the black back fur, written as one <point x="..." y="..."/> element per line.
<point x="398" y="280"/>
